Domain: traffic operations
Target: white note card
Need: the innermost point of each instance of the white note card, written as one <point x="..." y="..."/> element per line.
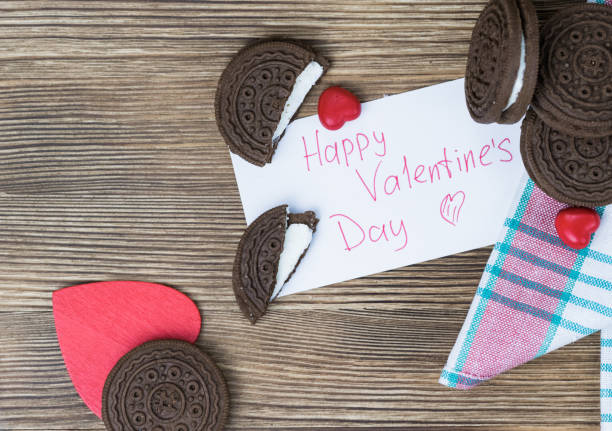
<point x="413" y="178"/>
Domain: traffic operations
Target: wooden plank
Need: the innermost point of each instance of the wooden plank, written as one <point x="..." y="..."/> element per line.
<point x="324" y="368"/>
<point x="49" y="242"/>
<point x="111" y="166"/>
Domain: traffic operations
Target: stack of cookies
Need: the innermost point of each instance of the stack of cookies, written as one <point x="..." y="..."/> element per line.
<point x="564" y="71"/>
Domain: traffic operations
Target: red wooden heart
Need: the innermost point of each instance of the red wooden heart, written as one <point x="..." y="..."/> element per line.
<point x="98" y="323"/>
<point x="576" y="225"/>
<point x="337" y="106"/>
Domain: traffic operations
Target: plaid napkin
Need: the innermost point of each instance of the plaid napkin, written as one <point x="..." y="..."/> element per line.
<point x="536" y="295"/>
<point x="606" y="379"/>
<point x="606" y="350"/>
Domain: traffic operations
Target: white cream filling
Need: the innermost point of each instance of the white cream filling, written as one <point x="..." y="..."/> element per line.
<point x="297" y="240"/>
<point x="520" y="76"/>
<point x="303" y="83"/>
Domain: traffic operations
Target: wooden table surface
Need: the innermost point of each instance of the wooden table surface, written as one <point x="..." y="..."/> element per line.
<point x="111" y="167"/>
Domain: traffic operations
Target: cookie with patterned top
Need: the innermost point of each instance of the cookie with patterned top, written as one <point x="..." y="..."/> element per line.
<point x="574" y="91"/>
<point x="165" y="385"/>
<point x="502" y="66"/>
<point x="572" y="169"/>
<point x="268" y="254"/>
<point x="259" y="93"/>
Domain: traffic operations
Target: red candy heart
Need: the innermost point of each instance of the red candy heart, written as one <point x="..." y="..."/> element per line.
<point x="337" y="106"/>
<point x="98" y="323"/>
<point x="576" y="225"/>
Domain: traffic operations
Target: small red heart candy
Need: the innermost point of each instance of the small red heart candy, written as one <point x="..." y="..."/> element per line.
<point x="337" y="106"/>
<point x="576" y="225"/>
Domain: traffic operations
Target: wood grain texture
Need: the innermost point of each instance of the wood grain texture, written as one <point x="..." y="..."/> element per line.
<point x="111" y="167"/>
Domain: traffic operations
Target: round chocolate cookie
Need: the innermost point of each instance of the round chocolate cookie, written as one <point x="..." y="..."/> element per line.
<point x="502" y="65"/>
<point x="253" y="91"/>
<point x="165" y="385"/>
<point x="256" y="262"/>
<point x="572" y="169"/>
<point x="574" y="91"/>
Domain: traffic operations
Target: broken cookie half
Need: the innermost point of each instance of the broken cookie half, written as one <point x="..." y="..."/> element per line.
<point x="269" y="252"/>
<point x="259" y="93"/>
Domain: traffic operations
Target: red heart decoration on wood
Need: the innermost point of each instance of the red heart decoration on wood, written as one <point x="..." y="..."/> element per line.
<point x="98" y="323"/>
<point x="337" y="106"/>
<point x="576" y="225"/>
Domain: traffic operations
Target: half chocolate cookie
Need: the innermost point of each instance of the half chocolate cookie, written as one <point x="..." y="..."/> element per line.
<point x="574" y="92"/>
<point x="502" y="66"/>
<point x="269" y="251"/>
<point x="573" y="169"/>
<point x="259" y="93"/>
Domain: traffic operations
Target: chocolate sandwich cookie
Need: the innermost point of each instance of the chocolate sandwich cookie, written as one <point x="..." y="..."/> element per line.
<point x="168" y="385"/>
<point x="574" y="92"/>
<point x="572" y="169"/>
<point x="268" y="254"/>
<point x="259" y="93"/>
<point x="502" y="66"/>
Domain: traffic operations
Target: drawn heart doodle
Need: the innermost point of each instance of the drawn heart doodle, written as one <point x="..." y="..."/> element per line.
<point x="450" y="207"/>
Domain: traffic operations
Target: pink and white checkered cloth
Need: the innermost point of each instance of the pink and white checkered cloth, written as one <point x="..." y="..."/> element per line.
<point x="536" y="295"/>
